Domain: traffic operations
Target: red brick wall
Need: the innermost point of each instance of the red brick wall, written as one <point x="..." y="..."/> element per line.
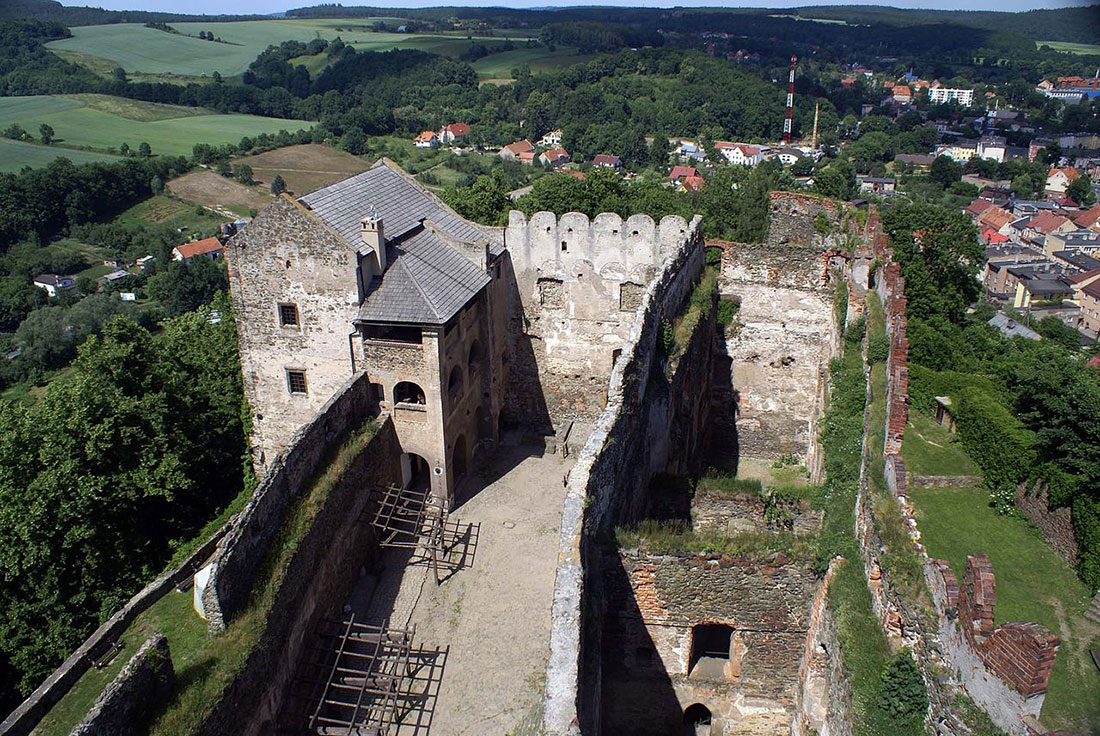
<point x="1020" y="654"/>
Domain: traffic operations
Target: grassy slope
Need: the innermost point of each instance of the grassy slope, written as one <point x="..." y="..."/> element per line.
<point x="102" y="123"/>
<point x="1033" y="584"/>
<point x="139" y="49"/>
<point x="539" y="58"/>
<point x="929" y="449"/>
<point x="14" y="155"/>
<point x="1086" y="49"/>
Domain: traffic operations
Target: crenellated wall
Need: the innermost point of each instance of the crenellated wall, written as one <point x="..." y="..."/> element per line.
<point x="579" y="286"/>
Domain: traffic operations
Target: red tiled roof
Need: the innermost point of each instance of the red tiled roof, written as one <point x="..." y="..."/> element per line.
<point x="679" y="172"/>
<point x="1070" y="172"/>
<point x="693" y="183"/>
<point x="427" y="135"/>
<point x="995" y="218"/>
<point x="606" y="159"/>
<point x="555" y="153"/>
<point x="991" y="236"/>
<point x="1089" y="217"/>
<point x="199" y="247"/>
<point x="520" y="147"/>
<point x="1076" y="278"/>
<point x="1046" y="222"/>
<point x="458" y="129"/>
<point x="977" y="207"/>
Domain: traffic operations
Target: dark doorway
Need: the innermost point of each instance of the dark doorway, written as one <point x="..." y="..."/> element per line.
<point x="414" y="472"/>
<point x="710" y="650"/>
<point x="458" y="459"/>
<point x="697" y="720"/>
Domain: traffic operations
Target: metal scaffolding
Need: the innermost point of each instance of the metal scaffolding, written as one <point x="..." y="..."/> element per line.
<point x="365" y="680"/>
<point x="415" y="520"/>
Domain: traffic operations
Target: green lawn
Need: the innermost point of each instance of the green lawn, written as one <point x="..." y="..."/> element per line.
<point x="1033" y="584"/>
<point x="929" y="449"/>
<point x="174" y="617"/>
<point x="104" y="123"/>
<point x="164" y="210"/>
<point x="1072" y="48"/>
<point x="139" y="49"/>
<point x="15" y="155"/>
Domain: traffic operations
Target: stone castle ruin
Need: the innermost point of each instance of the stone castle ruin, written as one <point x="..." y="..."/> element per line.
<point x="562" y="384"/>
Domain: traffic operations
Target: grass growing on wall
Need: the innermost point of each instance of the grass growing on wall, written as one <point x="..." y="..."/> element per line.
<point x="676" y="536"/>
<point x="863" y="645"/>
<point x="698" y="305"/>
<point x="199" y="687"/>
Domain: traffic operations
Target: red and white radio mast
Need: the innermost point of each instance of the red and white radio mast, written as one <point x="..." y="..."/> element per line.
<point x="789" y="121"/>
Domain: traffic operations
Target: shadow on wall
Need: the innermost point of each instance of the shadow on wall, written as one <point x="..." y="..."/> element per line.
<point x="524" y="406"/>
<point x="636" y="692"/>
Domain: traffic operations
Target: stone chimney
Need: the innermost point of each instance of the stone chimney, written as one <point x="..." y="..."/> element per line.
<point x="372" y="234"/>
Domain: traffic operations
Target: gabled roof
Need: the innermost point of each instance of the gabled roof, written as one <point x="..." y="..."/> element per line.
<point x="426" y="282"/>
<point x="554" y="154"/>
<point x="680" y="171"/>
<point x="199" y="247"/>
<point x="693" y="183"/>
<point x="458" y="129"/>
<point x="1089" y="217"/>
<point x="606" y="159"/>
<point x="427" y="279"/>
<point x="995" y="218"/>
<point x="426" y="135"/>
<point x="977" y="207"/>
<point x="520" y="147"/>
<point x="1069" y="172"/>
<point x="397" y="199"/>
<point x="1047" y="222"/>
<point x="52" y="279"/>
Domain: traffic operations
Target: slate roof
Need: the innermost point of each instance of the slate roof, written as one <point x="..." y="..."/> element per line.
<point x="426" y="280"/>
<point x="400" y="202"/>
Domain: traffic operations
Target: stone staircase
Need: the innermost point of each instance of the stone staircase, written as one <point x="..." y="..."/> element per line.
<point x="1093" y="613"/>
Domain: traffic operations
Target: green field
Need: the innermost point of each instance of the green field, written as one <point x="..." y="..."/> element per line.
<point x="539" y="58"/>
<point x="104" y="123"/>
<point x="1090" y="49"/>
<point x="138" y="49"/>
<point x="14" y="155"/>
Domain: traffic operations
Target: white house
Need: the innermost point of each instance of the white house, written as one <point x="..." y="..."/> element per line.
<point x="54" y="284"/>
<point x="551" y="139"/>
<point x="741" y="154"/>
<point x="992" y="147"/>
<point x="207" y="248"/>
<point x="454" y="132"/>
<point x="427" y="139"/>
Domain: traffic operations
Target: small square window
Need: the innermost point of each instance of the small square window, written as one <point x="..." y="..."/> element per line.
<point x="288" y="315"/>
<point x="296" y="381"/>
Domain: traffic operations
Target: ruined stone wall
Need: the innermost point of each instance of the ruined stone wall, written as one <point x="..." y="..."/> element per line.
<point x="786" y="331"/>
<point x="823" y="698"/>
<point x="579" y="285"/>
<point x="1004" y="670"/>
<point x="722" y="513"/>
<point x="607" y="483"/>
<point x="1056" y="525"/>
<point x="654" y="603"/>
<point x="241" y="553"/>
<point x="287" y="256"/>
<point x="324" y="568"/>
<point x="140" y="687"/>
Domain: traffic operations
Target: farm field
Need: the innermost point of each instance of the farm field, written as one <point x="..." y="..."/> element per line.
<point x="104" y="123"/>
<point x="1073" y="48"/>
<point x="139" y="49"/>
<point x="305" y="167"/>
<point x="212" y="190"/>
<point x="14" y="155"/>
<point x="498" y="67"/>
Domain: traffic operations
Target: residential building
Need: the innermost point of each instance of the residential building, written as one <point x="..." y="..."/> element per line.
<point x="919" y="161"/>
<point x="681" y="172"/>
<point x="607" y="161"/>
<point x="992" y="147"/>
<point x="146" y="262"/>
<point x="877" y="184"/>
<point x="551" y="139"/>
<point x="206" y="248"/>
<point x="1075" y="261"/>
<point x="787" y="155"/>
<point x="427" y="139"/>
<point x="554" y="157"/>
<point x="514" y="151"/>
<point x="1086" y="293"/>
<point x="688" y="150"/>
<point x="995" y="219"/>
<point x="901" y="94"/>
<point x="1011" y="328"/>
<point x="692" y="183"/>
<point x="1059" y="179"/>
<point x="977" y="207"/>
<point x="1081" y="241"/>
<point x="1089" y="219"/>
<point x="1044" y="281"/>
<point x="960" y="151"/>
<point x="53" y="284"/>
<point x="941" y="95"/>
<point x="453" y="133"/>
<point x="741" y="154"/>
<point x="1046" y="223"/>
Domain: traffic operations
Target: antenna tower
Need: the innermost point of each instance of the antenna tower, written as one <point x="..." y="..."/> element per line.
<point x="789" y="120"/>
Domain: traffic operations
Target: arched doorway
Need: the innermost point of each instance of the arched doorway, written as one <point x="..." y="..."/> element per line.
<point x="697" y="720"/>
<point x="458" y="460"/>
<point x="415" y="473"/>
<point x="454" y="385"/>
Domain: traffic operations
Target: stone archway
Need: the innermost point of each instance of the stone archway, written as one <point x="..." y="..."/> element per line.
<point x="697" y="720"/>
